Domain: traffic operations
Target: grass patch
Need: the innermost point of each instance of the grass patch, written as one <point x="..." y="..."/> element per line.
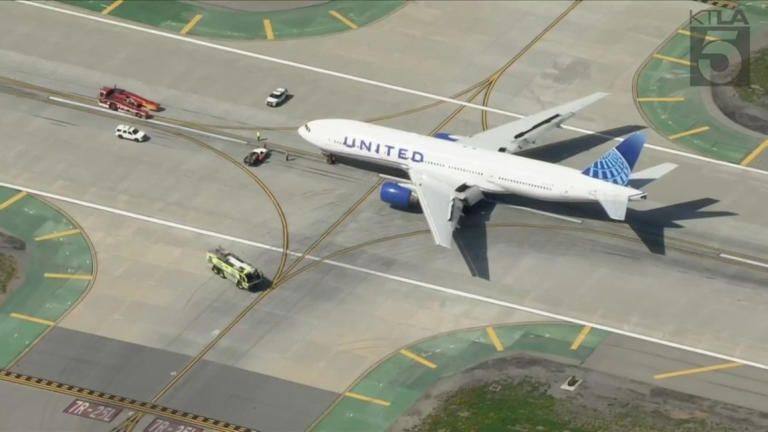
<point x="757" y="91"/>
<point x="7" y="271"/>
<point x="526" y="406"/>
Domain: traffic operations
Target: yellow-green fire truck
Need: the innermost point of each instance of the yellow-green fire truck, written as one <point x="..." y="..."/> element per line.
<point x="230" y="266"/>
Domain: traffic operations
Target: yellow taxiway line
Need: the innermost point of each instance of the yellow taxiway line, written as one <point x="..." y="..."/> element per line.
<point x="580" y="338"/>
<point x="698" y="35"/>
<point x="367" y="399"/>
<point x="191" y="24"/>
<point x="661" y="99"/>
<point x="673" y="59"/>
<point x="750" y="157"/>
<point x="68" y="276"/>
<point x="12" y="200"/>
<point x="418" y="358"/>
<point x="690" y="132"/>
<point x="696" y="370"/>
<point x="32" y="319"/>
<point x="494" y="338"/>
<point x="268" y="29"/>
<point x="57" y="235"/>
<point x="343" y="19"/>
<point x="107" y="10"/>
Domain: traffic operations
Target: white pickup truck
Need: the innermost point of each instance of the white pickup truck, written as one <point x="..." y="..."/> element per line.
<point x="129" y="132"/>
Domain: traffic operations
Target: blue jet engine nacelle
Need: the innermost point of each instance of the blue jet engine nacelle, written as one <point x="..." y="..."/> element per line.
<point x="396" y="195"/>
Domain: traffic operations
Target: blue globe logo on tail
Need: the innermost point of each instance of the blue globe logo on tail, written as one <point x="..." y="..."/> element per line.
<point x="616" y="165"/>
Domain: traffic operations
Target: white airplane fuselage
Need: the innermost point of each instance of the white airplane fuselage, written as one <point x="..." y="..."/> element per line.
<point x="493" y="172"/>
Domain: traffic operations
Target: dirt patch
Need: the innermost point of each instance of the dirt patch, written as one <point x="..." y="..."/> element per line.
<point x="11" y="263"/>
<point x="523" y="393"/>
<point x="751" y="115"/>
<point x="746" y="105"/>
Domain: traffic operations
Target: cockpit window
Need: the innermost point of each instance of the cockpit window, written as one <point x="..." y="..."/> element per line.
<point x="306" y="126"/>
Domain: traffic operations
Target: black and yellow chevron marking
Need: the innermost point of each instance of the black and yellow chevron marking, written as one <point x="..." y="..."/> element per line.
<point x="728" y="4"/>
<point x="120" y="401"/>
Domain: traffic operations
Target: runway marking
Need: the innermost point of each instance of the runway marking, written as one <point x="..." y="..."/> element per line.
<point x="744" y="260"/>
<point x="673" y="59"/>
<point x="57" y="235"/>
<point x="107" y="10"/>
<point x="129" y="424"/>
<point x="417" y="358"/>
<point x="343" y="19"/>
<point x="754" y="153"/>
<point x="698" y="35"/>
<point x="13" y="199"/>
<point x="494" y="338"/>
<point x="696" y="370"/>
<point x="409" y="281"/>
<point x="541" y="212"/>
<point x="367" y="399"/>
<point x="32" y="319"/>
<point x="661" y="99"/>
<point x="191" y="24"/>
<point x="120" y="401"/>
<point x="580" y="338"/>
<point x="268" y="29"/>
<point x="68" y="276"/>
<point x="360" y="79"/>
<point x="152" y="121"/>
<point x="690" y="132"/>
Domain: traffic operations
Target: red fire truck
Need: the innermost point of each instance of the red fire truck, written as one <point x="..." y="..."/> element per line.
<point x="121" y="100"/>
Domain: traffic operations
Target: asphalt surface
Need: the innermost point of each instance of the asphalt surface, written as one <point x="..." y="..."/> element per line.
<point x="93" y="361"/>
<point x="113" y="366"/>
<point x="328" y="325"/>
<point x="31" y="409"/>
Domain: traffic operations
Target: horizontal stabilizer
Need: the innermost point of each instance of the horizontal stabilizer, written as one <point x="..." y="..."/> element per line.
<point x="648" y="175"/>
<point x="614" y="204"/>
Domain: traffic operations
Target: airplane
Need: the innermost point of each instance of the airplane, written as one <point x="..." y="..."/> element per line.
<point x="449" y="172"/>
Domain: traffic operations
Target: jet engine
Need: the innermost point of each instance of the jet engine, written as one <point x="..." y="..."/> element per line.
<point x="397" y="195"/>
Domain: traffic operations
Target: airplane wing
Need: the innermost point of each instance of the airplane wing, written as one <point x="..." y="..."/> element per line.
<point x="520" y="134"/>
<point x="442" y="200"/>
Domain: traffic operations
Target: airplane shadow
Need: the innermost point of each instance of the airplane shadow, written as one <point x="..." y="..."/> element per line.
<point x="649" y="225"/>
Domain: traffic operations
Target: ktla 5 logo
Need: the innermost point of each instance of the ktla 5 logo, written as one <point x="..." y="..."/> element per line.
<point x="719" y="48"/>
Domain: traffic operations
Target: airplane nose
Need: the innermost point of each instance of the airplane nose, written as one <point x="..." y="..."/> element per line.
<point x="305" y="130"/>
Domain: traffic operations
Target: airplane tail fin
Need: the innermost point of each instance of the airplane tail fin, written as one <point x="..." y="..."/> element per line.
<point x="616" y="165"/>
